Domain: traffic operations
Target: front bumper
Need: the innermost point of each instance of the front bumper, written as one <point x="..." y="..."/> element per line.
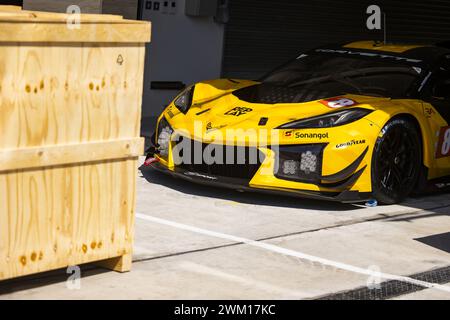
<point x="242" y="185"/>
<point x="342" y="171"/>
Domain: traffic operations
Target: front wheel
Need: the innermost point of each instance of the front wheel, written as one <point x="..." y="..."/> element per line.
<point x="396" y="161"/>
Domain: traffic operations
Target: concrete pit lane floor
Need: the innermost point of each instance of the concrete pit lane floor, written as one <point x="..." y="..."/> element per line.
<point x="197" y="242"/>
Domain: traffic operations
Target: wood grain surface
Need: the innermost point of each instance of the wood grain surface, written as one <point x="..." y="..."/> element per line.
<point x="70" y="125"/>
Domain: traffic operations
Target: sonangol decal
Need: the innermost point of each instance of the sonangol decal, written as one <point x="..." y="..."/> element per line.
<point x="306" y="135"/>
<point x="339" y="102"/>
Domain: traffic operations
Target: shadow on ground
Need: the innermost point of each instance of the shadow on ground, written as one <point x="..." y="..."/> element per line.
<point x="186" y="187"/>
<point x="438" y="241"/>
<point x="46" y="278"/>
<point x="253" y="198"/>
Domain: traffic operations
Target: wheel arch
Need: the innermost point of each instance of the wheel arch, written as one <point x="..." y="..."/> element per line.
<point x="422" y="173"/>
<point x="424" y="134"/>
<point x="421" y="129"/>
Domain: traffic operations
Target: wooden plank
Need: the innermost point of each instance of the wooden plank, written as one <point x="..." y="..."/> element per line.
<point x="46" y="156"/>
<point x="64" y="216"/>
<point x="119" y="264"/>
<point x="7" y="8"/>
<point x="59" y="95"/>
<point x="113" y="32"/>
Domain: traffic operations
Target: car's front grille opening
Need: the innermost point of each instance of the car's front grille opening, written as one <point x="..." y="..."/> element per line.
<point x="219" y="160"/>
<point x="302" y="163"/>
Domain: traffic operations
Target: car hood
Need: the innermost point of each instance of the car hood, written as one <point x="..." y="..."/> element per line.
<point x="231" y="104"/>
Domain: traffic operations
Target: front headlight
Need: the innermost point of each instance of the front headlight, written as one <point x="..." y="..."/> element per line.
<point x="164" y="136"/>
<point x="184" y="101"/>
<point x="333" y="119"/>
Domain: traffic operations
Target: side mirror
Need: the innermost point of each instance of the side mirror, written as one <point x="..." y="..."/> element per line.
<point x="442" y="90"/>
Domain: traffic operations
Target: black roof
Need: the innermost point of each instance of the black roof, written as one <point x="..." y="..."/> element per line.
<point x="424" y="55"/>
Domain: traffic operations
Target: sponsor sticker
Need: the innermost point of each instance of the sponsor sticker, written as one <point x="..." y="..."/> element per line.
<point x="339" y="102"/>
<point x="306" y="135"/>
<point x="350" y="143"/>
<point x="429" y="112"/>
<point x="209" y="127"/>
<point x="238" y="111"/>
<point x="443" y="146"/>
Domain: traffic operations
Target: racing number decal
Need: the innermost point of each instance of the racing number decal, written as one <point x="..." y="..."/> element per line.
<point x="443" y="148"/>
<point x="339" y="102"/>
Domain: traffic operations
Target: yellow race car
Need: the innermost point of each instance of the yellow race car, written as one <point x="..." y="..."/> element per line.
<point x="352" y="122"/>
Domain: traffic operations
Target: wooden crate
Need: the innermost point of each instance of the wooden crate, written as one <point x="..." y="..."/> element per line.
<point x="70" y="107"/>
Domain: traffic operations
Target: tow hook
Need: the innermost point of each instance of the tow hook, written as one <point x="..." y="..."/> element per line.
<point x="150" y="160"/>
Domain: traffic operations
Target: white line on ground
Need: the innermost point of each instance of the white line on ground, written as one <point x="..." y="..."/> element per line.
<point x="261" y="286"/>
<point x="292" y="253"/>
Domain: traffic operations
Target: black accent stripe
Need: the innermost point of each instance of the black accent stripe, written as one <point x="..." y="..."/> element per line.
<point x="346" y="183"/>
<point x="203" y="111"/>
<point x="263" y="121"/>
<point x="347" y="172"/>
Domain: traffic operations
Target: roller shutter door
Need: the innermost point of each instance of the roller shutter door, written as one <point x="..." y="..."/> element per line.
<point x="262" y="34"/>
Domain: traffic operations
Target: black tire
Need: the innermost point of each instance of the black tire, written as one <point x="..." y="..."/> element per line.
<point x="396" y="161"/>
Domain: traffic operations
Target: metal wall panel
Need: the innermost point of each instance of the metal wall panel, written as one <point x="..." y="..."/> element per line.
<point x="86" y="6"/>
<point x="262" y="34"/>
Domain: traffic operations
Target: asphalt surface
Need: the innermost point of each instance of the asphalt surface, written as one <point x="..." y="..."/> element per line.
<point x="196" y="242"/>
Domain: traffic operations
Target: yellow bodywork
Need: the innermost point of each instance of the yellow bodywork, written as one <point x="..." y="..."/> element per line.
<point x="206" y="120"/>
<point x="380" y="46"/>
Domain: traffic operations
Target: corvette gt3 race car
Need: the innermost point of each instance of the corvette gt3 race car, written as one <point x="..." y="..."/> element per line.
<point x="352" y="122"/>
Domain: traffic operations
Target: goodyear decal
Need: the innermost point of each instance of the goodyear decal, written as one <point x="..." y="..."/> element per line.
<point x="350" y="143"/>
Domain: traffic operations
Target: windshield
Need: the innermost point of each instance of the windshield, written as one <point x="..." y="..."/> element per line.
<point x="346" y="75"/>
